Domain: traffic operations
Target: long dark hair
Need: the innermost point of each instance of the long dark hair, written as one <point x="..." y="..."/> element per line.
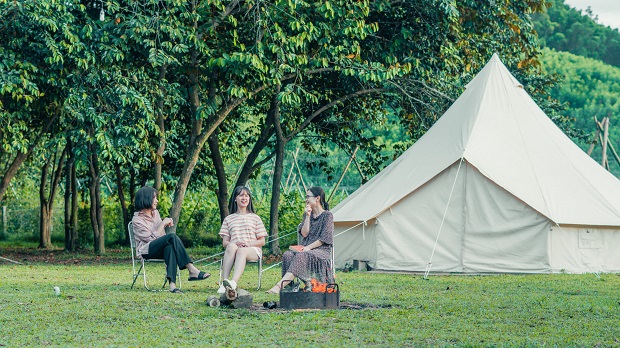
<point x="144" y="198"/>
<point x="232" y="206"/>
<point x="318" y="192"/>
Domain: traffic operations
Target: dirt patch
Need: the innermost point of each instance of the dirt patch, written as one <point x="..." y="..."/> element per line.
<point x="61" y="257"/>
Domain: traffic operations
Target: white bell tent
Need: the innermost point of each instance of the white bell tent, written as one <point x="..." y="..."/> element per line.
<point x="493" y="187"/>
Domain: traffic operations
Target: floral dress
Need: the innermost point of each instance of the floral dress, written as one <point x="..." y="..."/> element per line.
<point x="315" y="263"/>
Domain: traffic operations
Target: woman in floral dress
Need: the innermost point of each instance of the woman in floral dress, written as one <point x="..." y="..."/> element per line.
<point x="313" y="258"/>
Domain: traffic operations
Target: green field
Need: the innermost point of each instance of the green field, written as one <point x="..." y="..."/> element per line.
<point x="97" y="308"/>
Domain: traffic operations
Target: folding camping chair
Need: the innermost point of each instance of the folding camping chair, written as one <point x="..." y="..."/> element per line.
<point x="142" y="270"/>
<point x="259" y="263"/>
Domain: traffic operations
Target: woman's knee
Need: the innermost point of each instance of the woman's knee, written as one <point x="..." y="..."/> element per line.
<point x="231" y="248"/>
<point x="288" y="255"/>
<point x="175" y="238"/>
<point x="247" y="254"/>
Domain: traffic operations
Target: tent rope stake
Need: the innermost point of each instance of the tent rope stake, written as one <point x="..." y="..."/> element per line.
<point x="430" y="261"/>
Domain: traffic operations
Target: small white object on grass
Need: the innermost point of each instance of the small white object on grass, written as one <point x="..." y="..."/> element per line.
<point x="57" y="291"/>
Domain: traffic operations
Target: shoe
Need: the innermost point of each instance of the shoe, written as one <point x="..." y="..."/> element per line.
<point x="230" y="284"/>
<point x="201" y="276"/>
<point x="176" y="291"/>
<point x="221" y="290"/>
<point x="231" y="289"/>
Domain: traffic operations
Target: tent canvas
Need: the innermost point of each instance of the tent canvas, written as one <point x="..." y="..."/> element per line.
<point x="493" y="186"/>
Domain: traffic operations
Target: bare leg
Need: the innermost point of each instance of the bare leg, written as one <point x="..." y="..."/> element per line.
<point x="229" y="260"/>
<point x="287" y="278"/>
<point x="243" y="254"/>
<point x="193" y="271"/>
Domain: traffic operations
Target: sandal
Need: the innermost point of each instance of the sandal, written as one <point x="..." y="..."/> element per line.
<point x="201" y="276"/>
<point x="272" y="291"/>
<point x="280" y="286"/>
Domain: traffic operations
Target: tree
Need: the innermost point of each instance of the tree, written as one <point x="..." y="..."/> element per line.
<point x="47" y="193"/>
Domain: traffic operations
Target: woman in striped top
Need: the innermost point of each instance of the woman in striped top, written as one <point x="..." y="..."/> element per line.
<point x="243" y="235"/>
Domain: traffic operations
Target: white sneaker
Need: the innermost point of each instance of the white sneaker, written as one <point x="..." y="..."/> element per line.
<point x="231" y="289"/>
<point x="230" y="284"/>
<point x="221" y="290"/>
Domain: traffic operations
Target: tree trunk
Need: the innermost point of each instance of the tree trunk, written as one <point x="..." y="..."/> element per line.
<point x="47" y="200"/>
<point x="71" y="203"/>
<point x="67" y="196"/>
<point x="262" y="141"/>
<point x="220" y="173"/>
<point x="71" y="196"/>
<point x="277" y="174"/>
<point x="159" y="154"/>
<point x="74" y="208"/>
<point x="123" y="202"/>
<point x="45" y="227"/>
<point x="45" y="234"/>
<point x="198" y="138"/>
<point x="20" y="158"/>
<point x="96" y="213"/>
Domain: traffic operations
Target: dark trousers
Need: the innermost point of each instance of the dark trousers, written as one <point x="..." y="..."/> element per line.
<point x="171" y="249"/>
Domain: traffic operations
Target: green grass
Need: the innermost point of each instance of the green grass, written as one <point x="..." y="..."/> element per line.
<point x="97" y="308"/>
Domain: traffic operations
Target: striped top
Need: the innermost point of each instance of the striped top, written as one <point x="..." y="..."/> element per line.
<point x="243" y="228"/>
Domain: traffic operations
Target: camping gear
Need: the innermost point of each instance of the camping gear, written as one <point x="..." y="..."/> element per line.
<point x="329" y="298"/>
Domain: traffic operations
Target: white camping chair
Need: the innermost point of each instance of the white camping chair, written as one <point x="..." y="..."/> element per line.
<point x="142" y="270"/>
<point x="259" y="263"/>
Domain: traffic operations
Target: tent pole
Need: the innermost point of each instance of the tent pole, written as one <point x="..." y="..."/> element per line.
<point x="598" y="134"/>
<point x="291" y="171"/>
<point x="605" y="139"/>
<point x="343" y="173"/>
<point x="301" y="177"/>
<point x="359" y="169"/>
<point x="599" y="128"/>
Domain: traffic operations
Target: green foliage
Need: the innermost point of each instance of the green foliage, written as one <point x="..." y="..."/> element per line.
<point x="373" y="74"/>
<point x="464" y="311"/>
<point x="592" y="89"/>
<point x="564" y="28"/>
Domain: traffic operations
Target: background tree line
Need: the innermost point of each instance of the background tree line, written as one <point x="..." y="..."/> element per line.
<point x="564" y="28"/>
<point x="585" y="57"/>
<point x="194" y="97"/>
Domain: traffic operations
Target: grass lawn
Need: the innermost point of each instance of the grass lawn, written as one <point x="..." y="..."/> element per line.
<point x="97" y="308"/>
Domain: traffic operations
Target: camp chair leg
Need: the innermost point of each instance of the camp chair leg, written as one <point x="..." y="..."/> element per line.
<point x="165" y="282"/>
<point x="260" y="273"/>
<point x="144" y="276"/>
<point x="135" y="276"/>
<point x="220" y="281"/>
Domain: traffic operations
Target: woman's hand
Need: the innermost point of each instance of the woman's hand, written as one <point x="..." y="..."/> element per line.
<point x="241" y="245"/>
<point x="308" y="210"/>
<point x="168" y="222"/>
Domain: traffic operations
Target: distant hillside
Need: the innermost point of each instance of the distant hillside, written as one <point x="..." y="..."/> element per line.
<point x="566" y="29"/>
<point x="591" y="88"/>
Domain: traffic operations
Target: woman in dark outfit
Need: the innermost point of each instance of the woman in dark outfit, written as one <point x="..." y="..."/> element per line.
<point x="317" y="232"/>
<point x="152" y="242"/>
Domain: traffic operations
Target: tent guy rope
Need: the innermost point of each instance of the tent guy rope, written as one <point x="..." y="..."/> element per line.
<point x="430" y="260"/>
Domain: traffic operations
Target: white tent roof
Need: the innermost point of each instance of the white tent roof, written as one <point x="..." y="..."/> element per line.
<point x="497" y="127"/>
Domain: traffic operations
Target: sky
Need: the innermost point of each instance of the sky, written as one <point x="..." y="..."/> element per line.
<point x="608" y="11"/>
